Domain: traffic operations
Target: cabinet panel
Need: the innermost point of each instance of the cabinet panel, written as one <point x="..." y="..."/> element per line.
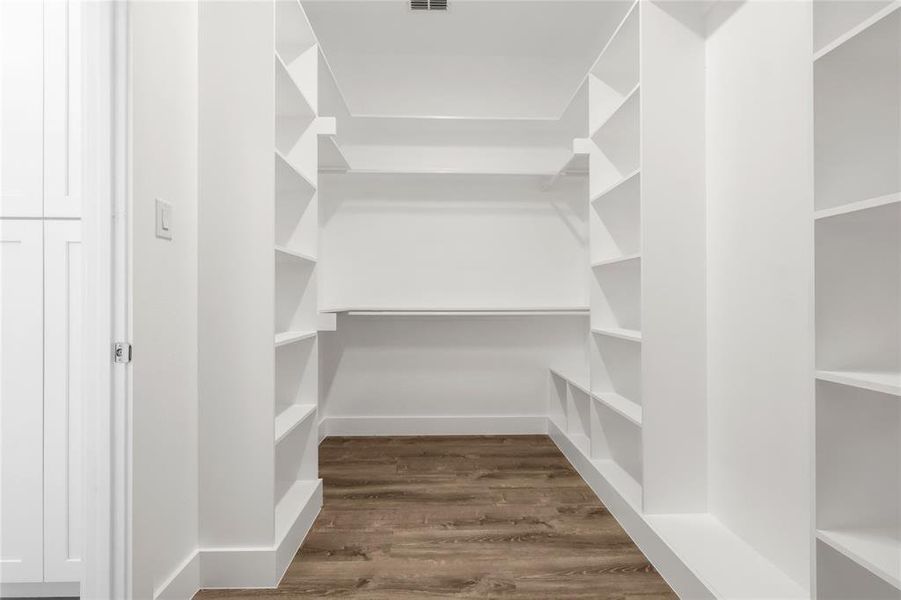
<point x="21" y="118"/>
<point x="62" y="400"/>
<point x="21" y="400"/>
<point x="62" y="108"/>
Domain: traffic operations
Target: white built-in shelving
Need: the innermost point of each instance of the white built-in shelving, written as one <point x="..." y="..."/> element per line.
<point x="297" y="488"/>
<point x="857" y="87"/>
<point x="460" y="312"/>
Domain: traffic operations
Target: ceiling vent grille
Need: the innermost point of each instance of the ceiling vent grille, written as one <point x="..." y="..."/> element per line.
<point x="428" y="4"/>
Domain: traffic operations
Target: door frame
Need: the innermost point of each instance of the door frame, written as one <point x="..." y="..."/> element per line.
<point x="106" y="555"/>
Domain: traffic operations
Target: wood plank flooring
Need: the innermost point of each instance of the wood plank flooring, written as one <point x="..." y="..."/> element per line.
<point x="459" y="517"/>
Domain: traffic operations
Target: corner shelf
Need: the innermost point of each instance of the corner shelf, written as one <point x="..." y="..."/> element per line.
<point x="633" y="175"/>
<point x="630" y="335"/>
<point x="290" y="418"/>
<point x="626" y="408"/>
<point x="301" y="105"/>
<point x="884" y="382"/>
<point x="291" y="337"/>
<point x="620" y="110"/>
<point x="285" y="252"/>
<point x="857" y="207"/>
<point x="636" y="257"/>
<point x="286" y="169"/>
<point x="331" y="157"/>
<point x="292" y="504"/>
<point x="855" y="31"/>
<point x="878" y="550"/>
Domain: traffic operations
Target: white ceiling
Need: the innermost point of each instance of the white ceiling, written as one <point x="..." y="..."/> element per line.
<point x="482" y="58"/>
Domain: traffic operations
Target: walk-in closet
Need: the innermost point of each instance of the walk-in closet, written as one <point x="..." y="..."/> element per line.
<point x="451" y="298"/>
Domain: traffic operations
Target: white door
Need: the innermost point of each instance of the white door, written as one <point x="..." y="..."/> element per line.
<point x="62" y="108"/>
<point x="21" y="401"/>
<point x="21" y="118"/>
<point x="62" y="400"/>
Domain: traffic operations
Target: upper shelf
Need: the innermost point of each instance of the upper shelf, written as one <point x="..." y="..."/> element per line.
<point x="290" y="178"/>
<point x="859" y="206"/>
<point x="630" y="184"/>
<point x="617" y="66"/>
<point x="460" y="312"/>
<point x="877" y="381"/>
<point x="626" y="408"/>
<point x="631" y="335"/>
<point x="293" y="96"/>
<point x="836" y="8"/>
<point x="628" y="258"/>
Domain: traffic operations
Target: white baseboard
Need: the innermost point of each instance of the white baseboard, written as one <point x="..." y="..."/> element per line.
<point x="183" y="583"/>
<point x="489" y="425"/>
<point x="39" y="590"/>
<point x="259" y="567"/>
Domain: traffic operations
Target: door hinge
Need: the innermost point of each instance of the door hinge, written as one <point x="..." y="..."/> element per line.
<point x="121" y="352"/>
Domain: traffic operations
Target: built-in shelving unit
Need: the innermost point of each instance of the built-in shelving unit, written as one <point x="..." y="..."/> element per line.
<point x="614" y="199"/>
<point x="857" y="86"/>
<point x="297" y="490"/>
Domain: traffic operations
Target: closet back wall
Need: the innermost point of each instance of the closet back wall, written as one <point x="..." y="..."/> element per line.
<point x="442" y="241"/>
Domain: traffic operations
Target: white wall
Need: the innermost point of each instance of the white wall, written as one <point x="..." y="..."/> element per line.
<point x="452" y="241"/>
<point x="760" y="257"/>
<point x="236" y="301"/>
<point x="427" y="367"/>
<point x="163" y="99"/>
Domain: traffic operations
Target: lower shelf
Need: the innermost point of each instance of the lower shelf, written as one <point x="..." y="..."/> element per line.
<point x="290" y="418"/>
<point x="629" y="410"/>
<point x="695" y="553"/>
<point x="876" y="550"/>
<point x="292" y="505"/>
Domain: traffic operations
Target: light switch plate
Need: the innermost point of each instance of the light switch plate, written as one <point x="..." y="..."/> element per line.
<point x="163" y="220"/>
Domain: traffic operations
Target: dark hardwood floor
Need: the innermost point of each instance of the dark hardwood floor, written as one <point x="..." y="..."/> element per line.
<point x="459" y="517"/>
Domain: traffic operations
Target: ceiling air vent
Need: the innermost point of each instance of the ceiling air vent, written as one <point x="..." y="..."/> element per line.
<point x="428" y="4"/>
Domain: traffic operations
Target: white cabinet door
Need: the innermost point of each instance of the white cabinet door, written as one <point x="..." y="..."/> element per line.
<point x="62" y="108"/>
<point x="21" y="117"/>
<point x="21" y="401"/>
<point x="62" y="401"/>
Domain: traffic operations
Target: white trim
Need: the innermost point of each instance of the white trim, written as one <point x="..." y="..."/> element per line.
<point x="667" y="563"/>
<point x="475" y="425"/>
<point x="39" y="590"/>
<point x="261" y="567"/>
<point x="184" y="581"/>
<point x="106" y="544"/>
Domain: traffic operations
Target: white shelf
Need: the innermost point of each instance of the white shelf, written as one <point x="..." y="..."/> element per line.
<point x="296" y="97"/>
<point x="855" y="31"/>
<point x="292" y="504"/>
<point x="449" y="172"/>
<point x="290" y="418"/>
<point x="624" y="106"/>
<point x="876" y="550"/>
<point x="617" y="261"/>
<point x="631" y="335"/>
<point x="626" y="408"/>
<point x="723" y="561"/>
<point x="856" y="207"/>
<point x="331" y="157"/>
<point x="285" y="170"/>
<point x="578" y="382"/>
<point x="620" y="480"/>
<point x="286" y="252"/>
<point x="460" y="312"/>
<point x="877" y="381"/>
<point x="577" y="164"/>
<point x="291" y="337"/>
<point x="629" y="177"/>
